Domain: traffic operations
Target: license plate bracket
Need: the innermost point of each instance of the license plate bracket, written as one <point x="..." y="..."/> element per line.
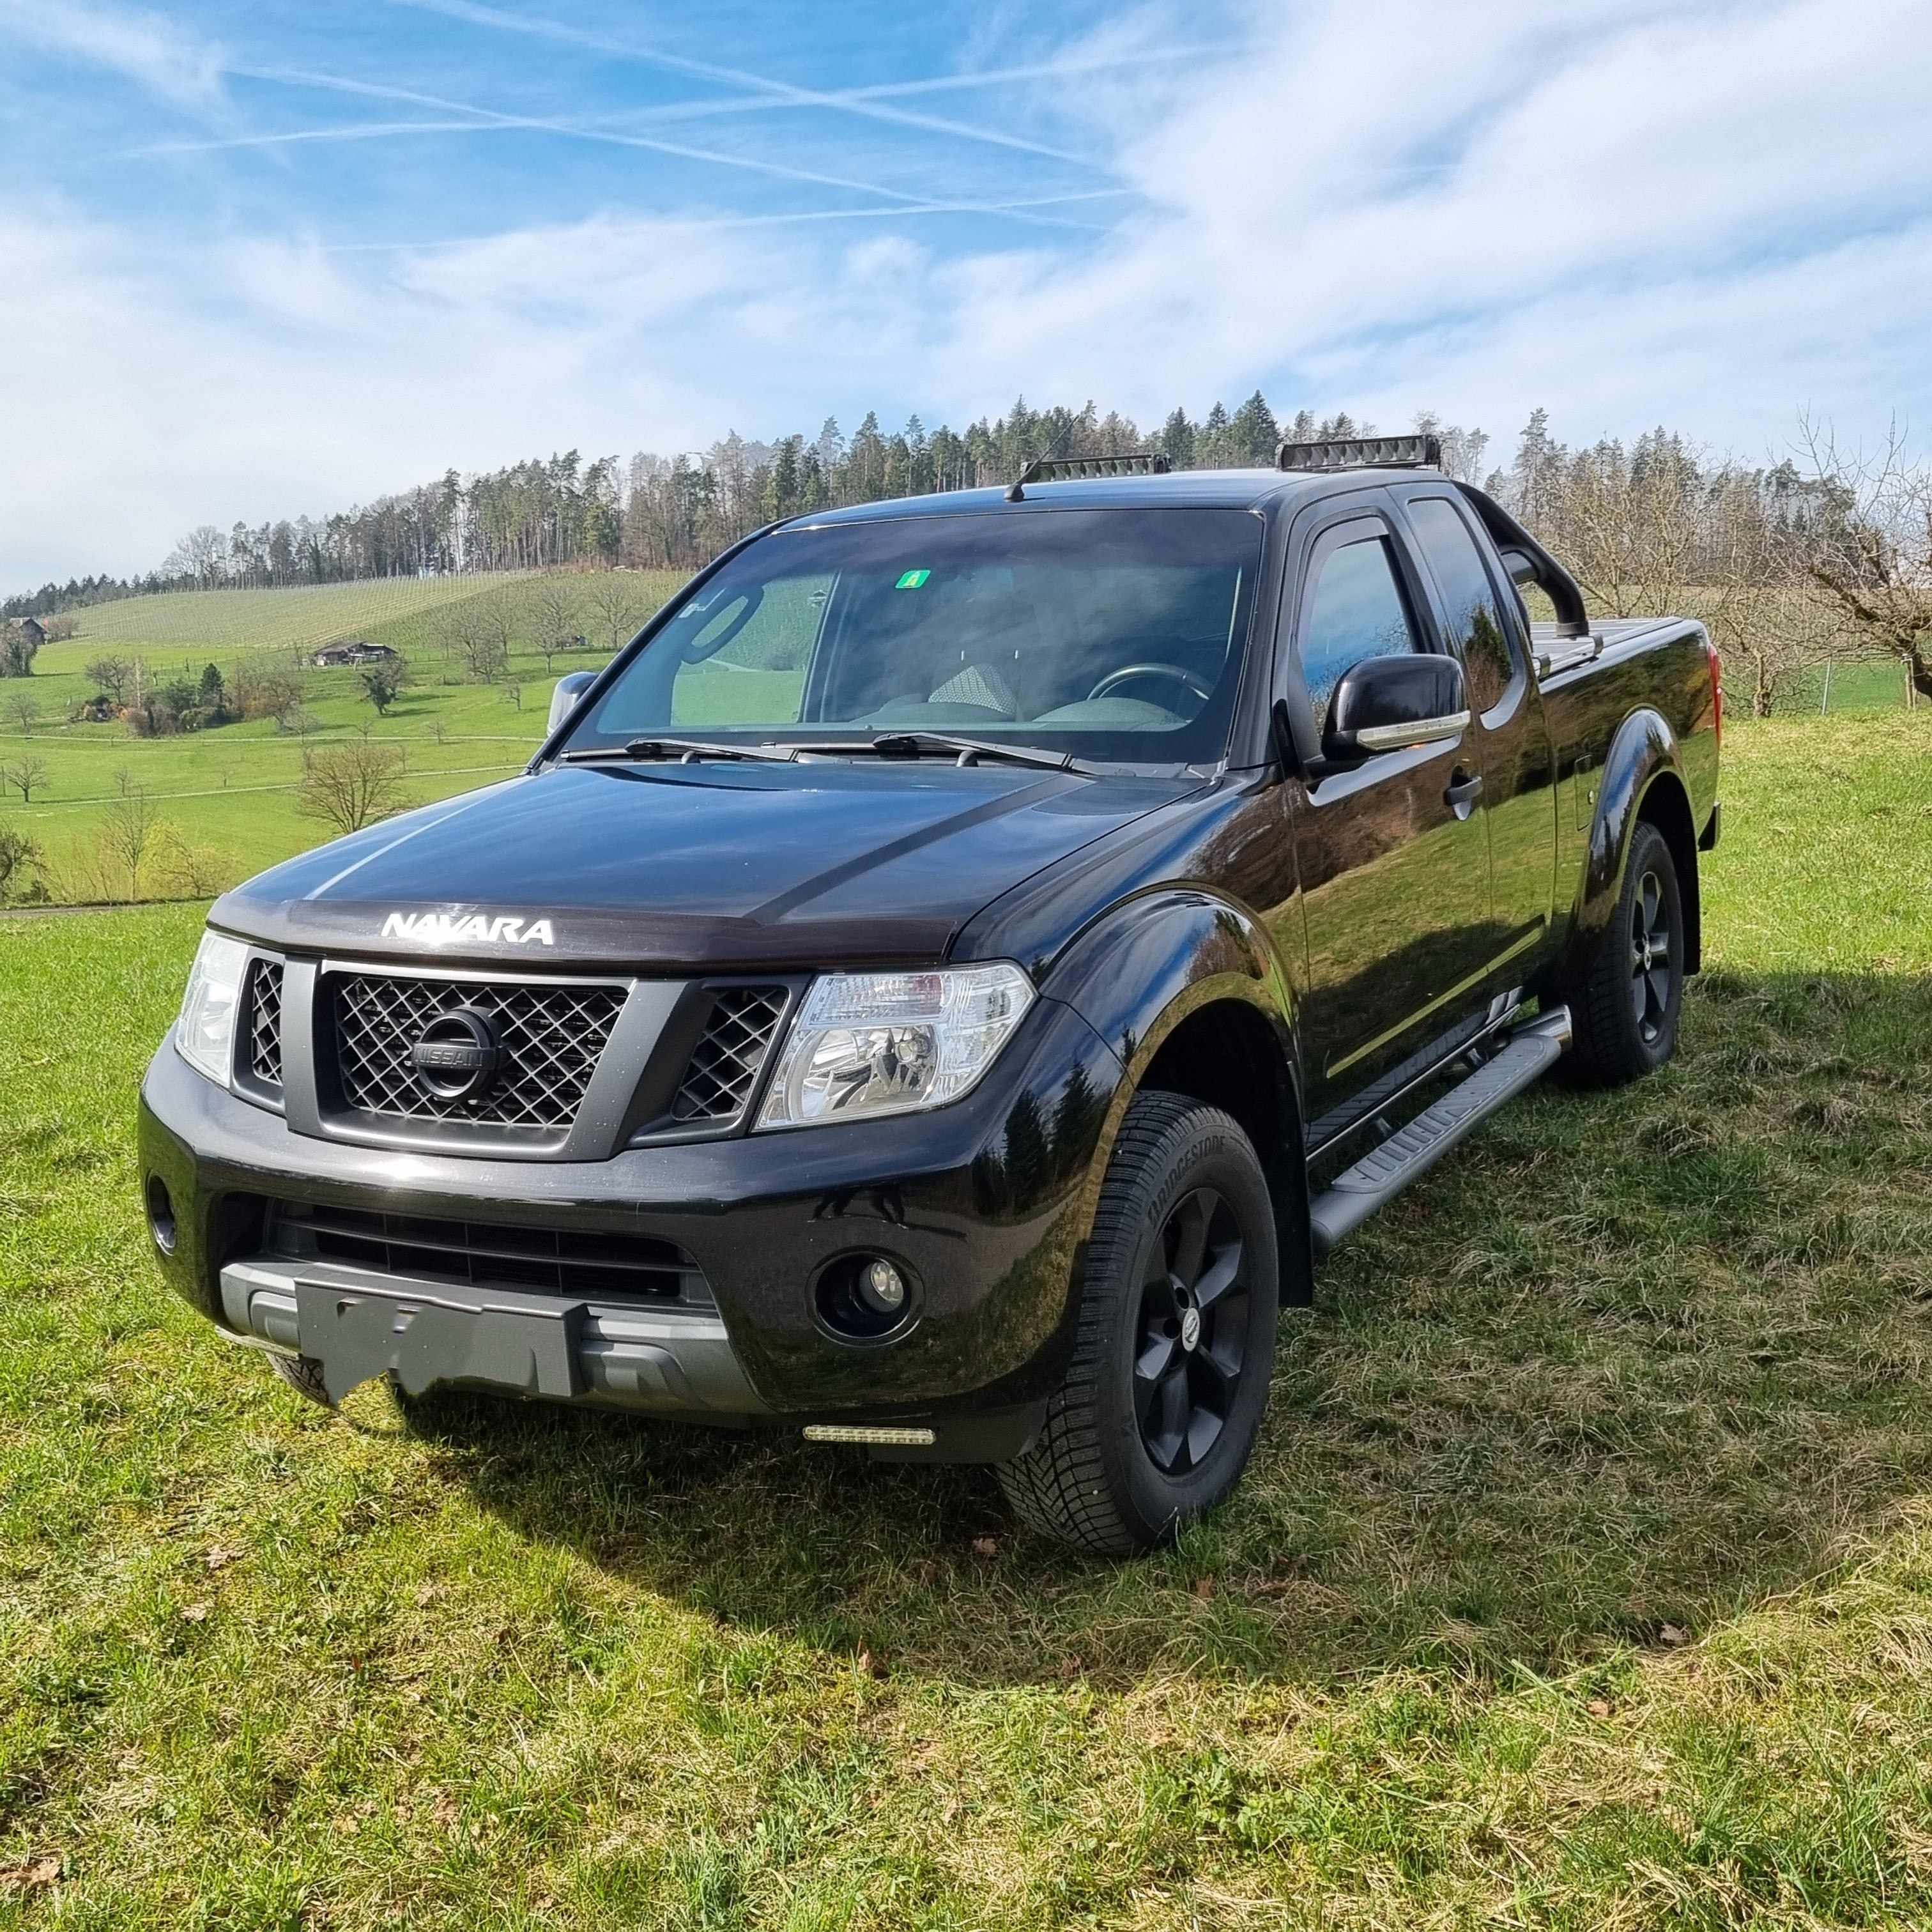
<point x="447" y="1335"/>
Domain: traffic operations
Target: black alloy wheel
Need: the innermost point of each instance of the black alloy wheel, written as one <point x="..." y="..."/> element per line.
<point x="1179" y="1291"/>
<point x="1191" y="1332"/>
<point x="1650" y="987"/>
<point x="1626" y="986"/>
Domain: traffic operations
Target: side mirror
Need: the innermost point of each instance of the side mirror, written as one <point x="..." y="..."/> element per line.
<point x="1388" y="703"/>
<point x="563" y="699"/>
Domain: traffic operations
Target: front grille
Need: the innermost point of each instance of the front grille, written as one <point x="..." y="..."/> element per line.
<point x="551" y="1037"/>
<point x="265" y="1022"/>
<point x="724" y="1064"/>
<point x="597" y="1267"/>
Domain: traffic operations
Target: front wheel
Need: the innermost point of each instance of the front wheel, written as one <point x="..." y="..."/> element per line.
<point x="1159" y="1411"/>
<point x="1630" y="986"/>
<point x="304" y="1374"/>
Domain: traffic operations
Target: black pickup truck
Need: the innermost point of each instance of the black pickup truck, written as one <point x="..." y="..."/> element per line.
<point x="943" y="986"/>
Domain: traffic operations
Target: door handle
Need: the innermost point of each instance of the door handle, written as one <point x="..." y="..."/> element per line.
<point x="1461" y="795"/>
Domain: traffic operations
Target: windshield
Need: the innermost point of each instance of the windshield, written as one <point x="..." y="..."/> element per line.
<point x="1112" y="634"/>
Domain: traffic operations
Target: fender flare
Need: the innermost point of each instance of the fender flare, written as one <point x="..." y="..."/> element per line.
<point x="1149" y="964"/>
<point x="1644" y="753"/>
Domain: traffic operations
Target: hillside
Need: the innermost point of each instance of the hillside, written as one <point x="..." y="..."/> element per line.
<point x="229" y="792"/>
<point x="221" y="621"/>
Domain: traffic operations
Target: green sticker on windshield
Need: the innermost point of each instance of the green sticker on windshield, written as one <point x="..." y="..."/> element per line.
<point x="912" y="580"/>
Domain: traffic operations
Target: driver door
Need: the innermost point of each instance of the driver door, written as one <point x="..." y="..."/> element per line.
<point x="1393" y="854"/>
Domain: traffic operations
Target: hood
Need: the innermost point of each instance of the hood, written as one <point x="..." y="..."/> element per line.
<point x="709" y="866"/>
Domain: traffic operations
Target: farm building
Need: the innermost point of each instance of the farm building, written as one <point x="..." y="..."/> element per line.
<point x="354" y="651"/>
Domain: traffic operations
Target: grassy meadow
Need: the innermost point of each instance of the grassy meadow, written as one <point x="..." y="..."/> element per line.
<point x="231" y="790"/>
<point x="1582" y="1577"/>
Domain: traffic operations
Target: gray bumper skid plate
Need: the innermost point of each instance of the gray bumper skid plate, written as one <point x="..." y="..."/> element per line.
<point x="360" y="1326"/>
<point x="357" y="1336"/>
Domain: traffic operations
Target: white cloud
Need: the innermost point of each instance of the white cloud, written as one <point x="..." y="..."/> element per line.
<point x="145" y="48"/>
<point x="1710" y="216"/>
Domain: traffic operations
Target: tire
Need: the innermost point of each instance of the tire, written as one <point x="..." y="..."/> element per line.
<point x="1628" y="994"/>
<point x="1125" y="1456"/>
<point x="303" y="1373"/>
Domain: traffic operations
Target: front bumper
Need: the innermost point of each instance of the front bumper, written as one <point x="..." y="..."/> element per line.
<point x="981" y="1204"/>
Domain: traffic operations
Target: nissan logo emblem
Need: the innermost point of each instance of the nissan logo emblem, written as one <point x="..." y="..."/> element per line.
<point x="456" y="1054"/>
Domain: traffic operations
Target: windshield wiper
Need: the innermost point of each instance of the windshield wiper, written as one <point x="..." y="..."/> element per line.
<point x="685" y="750"/>
<point x="911" y="744"/>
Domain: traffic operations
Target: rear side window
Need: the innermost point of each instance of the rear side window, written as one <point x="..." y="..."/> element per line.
<point x="1356" y="609"/>
<point x="1469" y="600"/>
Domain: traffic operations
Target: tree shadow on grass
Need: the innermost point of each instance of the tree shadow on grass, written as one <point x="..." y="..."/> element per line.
<point x="1628" y="1361"/>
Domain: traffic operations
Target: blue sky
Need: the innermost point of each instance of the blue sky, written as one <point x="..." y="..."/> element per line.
<point x="262" y="260"/>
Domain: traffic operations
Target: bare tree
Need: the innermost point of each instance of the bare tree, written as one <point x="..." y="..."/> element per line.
<point x="261" y="688"/>
<point x="352" y="784"/>
<point x="619" y="602"/>
<point x="482" y="631"/>
<point x="553" y="607"/>
<point x="59" y="629"/>
<point x="1628" y="524"/>
<point x="1873" y="556"/>
<point x="20" y="862"/>
<point x="26" y="774"/>
<point x="195" y="872"/>
<point x="110" y="676"/>
<point x="130" y="835"/>
<point x="24" y="712"/>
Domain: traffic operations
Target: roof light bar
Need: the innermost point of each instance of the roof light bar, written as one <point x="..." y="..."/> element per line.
<point x="1063" y="468"/>
<point x="1362" y="452"/>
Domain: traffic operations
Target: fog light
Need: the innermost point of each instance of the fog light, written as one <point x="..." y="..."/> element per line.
<point x="882" y="1287"/>
<point x="160" y="1215"/>
<point x="867" y="1298"/>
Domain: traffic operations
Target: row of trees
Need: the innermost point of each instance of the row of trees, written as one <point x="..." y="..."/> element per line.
<point x="1825" y="555"/>
<point x="668" y="512"/>
<point x="133" y="852"/>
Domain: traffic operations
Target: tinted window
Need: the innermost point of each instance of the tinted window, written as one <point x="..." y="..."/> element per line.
<point x="1469" y="601"/>
<point x="1112" y="633"/>
<point x="1355" y="611"/>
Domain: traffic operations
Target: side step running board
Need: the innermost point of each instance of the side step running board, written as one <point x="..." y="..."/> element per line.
<point x="1380" y="1175"/>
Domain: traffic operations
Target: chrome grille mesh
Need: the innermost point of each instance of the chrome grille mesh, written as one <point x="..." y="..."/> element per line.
<point x="724" y="1069"/>
<point x="265" y="1022"/>
<point x="551" y="1037"/>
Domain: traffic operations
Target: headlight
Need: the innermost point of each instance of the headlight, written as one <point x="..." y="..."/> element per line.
<point x="205" y="1031"/>
<point x="870" y="1043"/>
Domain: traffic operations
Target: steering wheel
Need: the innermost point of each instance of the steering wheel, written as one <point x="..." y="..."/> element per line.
<point x="1173" y="672"/>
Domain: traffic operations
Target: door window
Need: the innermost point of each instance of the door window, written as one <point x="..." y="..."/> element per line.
<point x="1355" y="610"/>
<point x="1476" y="625"/>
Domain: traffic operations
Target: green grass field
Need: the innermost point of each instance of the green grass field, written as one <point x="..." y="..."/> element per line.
<point x="226" y="621"/>
<point x="231" y="789"/>
<point x="1582" y="1578"/>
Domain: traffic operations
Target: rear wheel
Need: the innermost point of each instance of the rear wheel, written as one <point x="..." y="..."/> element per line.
<point x="1158" y="1413"/>
<point x="1629" y="991"/>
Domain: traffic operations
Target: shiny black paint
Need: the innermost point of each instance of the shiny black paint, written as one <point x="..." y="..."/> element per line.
<point x="711" y="865"/>
<point x="981" y="1200"/>
<point x="1634" y="737"/>
<point x="1145" y="907"/>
